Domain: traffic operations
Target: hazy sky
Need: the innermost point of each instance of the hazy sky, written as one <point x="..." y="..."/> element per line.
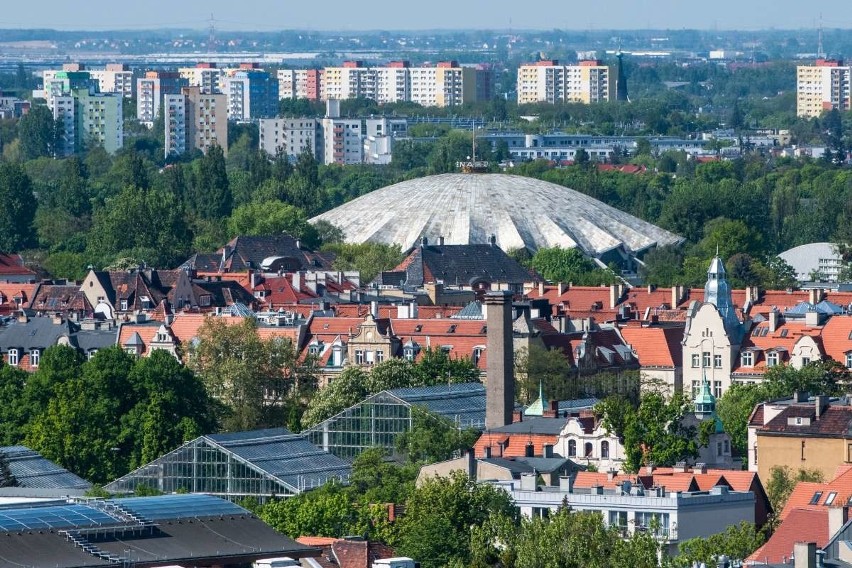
<point x="264" y="15"/>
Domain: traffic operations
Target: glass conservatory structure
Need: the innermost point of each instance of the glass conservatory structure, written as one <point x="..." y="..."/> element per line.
<point x="260" y="463"/>
<point x="380" y="418"/>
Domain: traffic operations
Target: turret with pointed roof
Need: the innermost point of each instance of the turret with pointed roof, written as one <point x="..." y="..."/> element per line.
<point x="538" y="406"/>
<point x="717" y="291"/>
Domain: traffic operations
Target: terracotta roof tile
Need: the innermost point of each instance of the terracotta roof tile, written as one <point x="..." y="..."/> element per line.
<point x="805" y="492"/>
<point x="655" y="346"/>
<point x="514" y="444"/>
<point x="801" y="525"/>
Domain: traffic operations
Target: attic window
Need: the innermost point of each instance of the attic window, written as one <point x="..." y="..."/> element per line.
<point x="418" y="328"/>
<point x="784" y="332"/>
<point x="830" y="499"/>
<point x="452" y="329"/>
<point x="815" y="498"/>
<point x="484" y="330"/>
<point x="764" y="331"/>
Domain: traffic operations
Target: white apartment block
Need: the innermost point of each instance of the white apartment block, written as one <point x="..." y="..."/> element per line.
<point x="206" y="76"/>
<point x="150" y="91"/>
<point x="821" y="87"/>
<point x="63" y="110"/>
<point x="342" y="142"/>
<point x="291" y="136"/>
<point x="175" y="124"/>
<point x="446" y="84"/>
<point x="548" y="81"/>
<point x="115" y="78"/>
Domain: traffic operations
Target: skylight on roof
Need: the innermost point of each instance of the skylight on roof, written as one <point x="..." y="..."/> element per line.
<point x="784" y="332"/>
<point x="815" y="499"/>
<point x="830" y="499"/>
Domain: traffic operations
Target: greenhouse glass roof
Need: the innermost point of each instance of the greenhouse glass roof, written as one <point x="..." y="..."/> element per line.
<point x="33" y="471"/>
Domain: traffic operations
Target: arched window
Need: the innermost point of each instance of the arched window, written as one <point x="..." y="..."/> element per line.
<point x="572" y="448"/>
<point x="587" y="450"/>
<point x="604" y="449"/>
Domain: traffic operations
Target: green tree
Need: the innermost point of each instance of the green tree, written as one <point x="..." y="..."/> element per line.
<point x="271" y="218"/>
<point x="257" y="380"/>
<point x="538" y="366"/>
<point x="440" y="515"/>
<point x="146" y="224"/>
<point x="434" y="438"/>
<point x="734" y="409"/>
<point x="16" y="215"/>
<point x="737" y="543"/>
<point x="13" y="411"/>
<point x="367" y="258"/>
<point x="662" y="267"/>
<point x="569" y="265"/>
<point x="435" y="366"/>
<point x="654" y="431"/>
<point x="327" y="511"/>
<point x="351" y="387"/>
<point x="782" y="481"/>
<point x="37" y="133"/>
<point x="209" y="196"/>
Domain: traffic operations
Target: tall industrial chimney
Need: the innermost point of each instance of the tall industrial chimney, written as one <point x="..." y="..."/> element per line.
<point x="500" y="389"/>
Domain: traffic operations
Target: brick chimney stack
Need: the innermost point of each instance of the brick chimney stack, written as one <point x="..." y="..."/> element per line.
<point x="500" y="387"/>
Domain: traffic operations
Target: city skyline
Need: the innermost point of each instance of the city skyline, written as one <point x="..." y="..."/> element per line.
<point x="267" y="15"/>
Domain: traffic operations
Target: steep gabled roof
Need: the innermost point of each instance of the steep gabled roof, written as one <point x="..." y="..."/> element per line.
<point x="801" y="525"/>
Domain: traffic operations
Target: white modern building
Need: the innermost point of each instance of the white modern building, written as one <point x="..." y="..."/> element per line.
<point x="291" y="136"/>
<point x="150" y="91"/>
<point x="206" y="76"/>
<point x="814" y="262"/>
<point x="672" y="516"/>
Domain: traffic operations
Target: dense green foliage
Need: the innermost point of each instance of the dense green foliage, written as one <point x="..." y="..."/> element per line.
<point x="737" y="543"/>
<point x="261" y="382"/>
<point x="652" y="432"/>
<point x="569" y="265"/>
<point x="782" y="480"/>
<point x="102" y="417"/>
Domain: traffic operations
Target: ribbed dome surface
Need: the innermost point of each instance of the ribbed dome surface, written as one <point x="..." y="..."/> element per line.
<point x="469" y="208"/>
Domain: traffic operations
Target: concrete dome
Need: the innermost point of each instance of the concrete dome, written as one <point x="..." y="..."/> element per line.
<point x="469" y="208"/>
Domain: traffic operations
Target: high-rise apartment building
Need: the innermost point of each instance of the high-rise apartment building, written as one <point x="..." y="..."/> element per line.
<point x="821" y="87"/>
<point x="206" y="76"/>
<point x="291" y="136"/>
<point x="63" y="114"/>
<point x="150" y="91"/>
<point x="548" y="81"/>
<point x="195" y="120"/>
<point x="252" y="93"/>
<point x="98" y="119"/>
<point x="446" y="84"/>
<point x="300" y="83"/>
<point x="341" y="137"/>
<point x="115" y="78"/>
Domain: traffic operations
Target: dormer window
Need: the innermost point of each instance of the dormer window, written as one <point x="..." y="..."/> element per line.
<point x="204" y="300"/>
<point x="12" y="357"/>
<point x="747" y="359"/>
<point x="849" y="360"/>
<point x="146" y="302"/>
<point x="772" y="359"/>
<point x="314" y="348"/>
<point x="35" y="357"/>
<point x="162" y="337"/>
<point x="123" y="305"/>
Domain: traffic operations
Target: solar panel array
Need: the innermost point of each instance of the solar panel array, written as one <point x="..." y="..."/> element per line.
<point x="180" y="507"/>
<point x="54" y="517"/>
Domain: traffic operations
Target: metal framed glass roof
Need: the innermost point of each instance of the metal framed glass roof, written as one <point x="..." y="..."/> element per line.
<point x="180" y="507"/>
<point x="54" y="517"/>
<point x="33" y="471"/>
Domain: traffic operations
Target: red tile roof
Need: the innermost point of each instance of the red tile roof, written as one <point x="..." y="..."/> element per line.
<point x="13" y="265"/>
<point x="801" y="525"/>
<point x="656" y="346"/>
<point x="514" y="445"/>
<point x="9" y="291"/>
<point x="804" y="493"/>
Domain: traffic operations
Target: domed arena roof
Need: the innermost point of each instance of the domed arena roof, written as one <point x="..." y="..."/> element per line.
<point x="470" y="208"/>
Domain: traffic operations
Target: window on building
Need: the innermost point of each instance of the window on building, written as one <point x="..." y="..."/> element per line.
<point x="747" y="359"/>
<point x="727" y="447"/>
<point x="805" y="361"/>
<point x="92" y="354"/>
<point x="618" y="519"/>
<point x="477" y="355"/>
<point x="408" y="353"/>
<point x="696" y="360"/>
<point x="718" y="449"/>
<point x="604" y="449"/>
<point x="803" y="450"/>
<point x="370" y="357"/>
<point x="849" y="360"/>
<point x="717" y="361"/>
<point x="572" y="448"/>
<point x="772" y="359"/>
<point x="359" y="357"/>
<point x="588" y="450"/>
<point x="35" y="357"/>
<point x="380" y="356"/>
<point x="123" y="305"/>
<point x="830" y="499"/>
<point x="815" y="499"/>
<point x="755" y="454"/>
<point x="314" y="349"/>
<point x="717" y="389"/>
<point x="705" y="359"/>
<point x="12" y="358"/>
<point x="656" y="522"/>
